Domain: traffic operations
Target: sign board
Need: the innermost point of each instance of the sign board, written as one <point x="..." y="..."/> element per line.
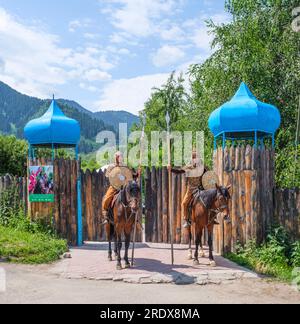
<point x="41" y="185"/>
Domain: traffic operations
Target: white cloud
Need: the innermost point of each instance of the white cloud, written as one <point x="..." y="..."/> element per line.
<point x="76" y="24"/>
<point x="96" y="75"/>
<point x="33" y="62"/>
<point x="90" y="88"/>
<point x="130" y="94"/>
<point x="139" y="17"/>
<point x="174" y="33"/>
<point x="167" y="55"/>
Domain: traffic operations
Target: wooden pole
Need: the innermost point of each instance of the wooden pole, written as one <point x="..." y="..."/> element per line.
<point x="141" y="185"/>
<point x="170" y="187"/>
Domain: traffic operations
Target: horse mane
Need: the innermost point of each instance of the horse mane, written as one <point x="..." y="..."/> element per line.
<point x="207" y="196"/>
<point x="131" y="187"/>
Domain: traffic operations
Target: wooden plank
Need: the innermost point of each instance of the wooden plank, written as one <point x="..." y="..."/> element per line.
<point x="148" y="205"/>
<point x="165" y="199"/>
<point x="241" y="203"/>
<point x="159" y="205"/>
<point x="185" y="231"/>
<point x="62" y="197"/>
<point x="178" y="210"/>
<point x="254" y="207"/>
<point x="227" y="237"/>
<point x="234" y="211"/>
<point x="154" y="205"/>
<point x="75" y="166"/>
<point x="89" y="212"/>
<point x="68" y="200"/>
<point x="56" y="197"/>
<point x="248" y="221"/>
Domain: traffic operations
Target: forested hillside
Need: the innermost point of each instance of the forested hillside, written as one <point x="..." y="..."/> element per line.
<point x="17" y="109"/>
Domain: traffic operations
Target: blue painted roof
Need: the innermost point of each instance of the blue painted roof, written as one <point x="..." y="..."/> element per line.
<point x="52" y="128"/>
<point x="243" y="115"/>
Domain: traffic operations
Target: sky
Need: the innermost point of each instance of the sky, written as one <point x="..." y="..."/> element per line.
<point x="104" y="54"/>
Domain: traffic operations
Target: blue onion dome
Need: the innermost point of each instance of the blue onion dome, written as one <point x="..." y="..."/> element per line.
<point x="52" y="128"/>
<point x="243" y="115"/>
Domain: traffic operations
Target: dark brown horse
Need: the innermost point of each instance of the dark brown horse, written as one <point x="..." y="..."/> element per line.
<point x="122" y="220"/>
<point x="205" y="206"/>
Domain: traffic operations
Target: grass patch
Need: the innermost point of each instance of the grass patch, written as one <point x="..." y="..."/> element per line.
<point x="278" y="257"/>
<point x="24" y="241"/>
<point x="20" y="246"/>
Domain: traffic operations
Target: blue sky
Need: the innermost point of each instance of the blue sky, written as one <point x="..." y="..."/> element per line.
<point x="105" y="54"/>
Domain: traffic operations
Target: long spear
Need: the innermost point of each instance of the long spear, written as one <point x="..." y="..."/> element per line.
<point x="170" y="186"/>
<point x="141" y="186"/>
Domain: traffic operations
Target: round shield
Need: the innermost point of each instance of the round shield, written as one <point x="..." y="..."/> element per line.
<point x="196" y="172"/>
<point x="120" y="176"/>
<point x="209" y="180"/>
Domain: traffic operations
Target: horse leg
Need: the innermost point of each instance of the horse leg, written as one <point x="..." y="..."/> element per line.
<point x="202" y="254"/>
<point x="119" y="240"/>
<point x="210" y="245"/>
<point x="109" y="242"/>
<point x="196" y="259"/>
<point x="127" y="244"/>
<point x="190" y="254"/>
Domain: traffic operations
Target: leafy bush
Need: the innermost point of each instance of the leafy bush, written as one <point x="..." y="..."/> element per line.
<point x="10" y="204"/>
<point x="276" y="257"/>
<point x="296" y="254"/>
<point x="22" y="240"/>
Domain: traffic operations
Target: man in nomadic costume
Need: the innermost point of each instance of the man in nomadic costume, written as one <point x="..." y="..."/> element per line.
<point x="194" y="172"/>
<point x="112" y="190"/>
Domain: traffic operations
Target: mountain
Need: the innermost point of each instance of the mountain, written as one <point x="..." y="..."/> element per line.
<point x="114" y="118"/>
<point x="17" y="109"/>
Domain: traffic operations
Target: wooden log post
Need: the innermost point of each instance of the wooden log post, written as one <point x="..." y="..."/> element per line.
<point x="165" y="200"/>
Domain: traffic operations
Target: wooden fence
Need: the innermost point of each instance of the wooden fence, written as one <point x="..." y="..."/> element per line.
<point x="62" y="214"/>
<point x="157" y="214"/>
<point x="254" y="207"/>
<point x="94" y="186"/>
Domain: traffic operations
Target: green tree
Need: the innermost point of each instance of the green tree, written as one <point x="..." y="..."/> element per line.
<point x="258" y="47"/>
<point x="13" y="155"/>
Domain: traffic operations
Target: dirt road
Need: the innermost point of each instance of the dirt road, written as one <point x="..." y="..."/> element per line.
<point x="26" y="284"/>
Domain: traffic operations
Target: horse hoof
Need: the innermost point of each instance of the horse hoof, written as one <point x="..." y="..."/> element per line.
<point x="196" y="262"/>
<point x="119" y="267"/>
<point x="110" y="259"/>
<point x="212" y="263"/>
<point x="127" y="266"/>
<point x="190" y="257"/>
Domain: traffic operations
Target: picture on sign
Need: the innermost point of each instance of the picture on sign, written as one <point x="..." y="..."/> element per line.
<point x="41" y="185"/>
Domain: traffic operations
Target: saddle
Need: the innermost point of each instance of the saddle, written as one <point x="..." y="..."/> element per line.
<point x="206" y="198"/>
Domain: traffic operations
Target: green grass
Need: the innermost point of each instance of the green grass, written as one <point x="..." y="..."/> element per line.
<point x="20" y="246"/>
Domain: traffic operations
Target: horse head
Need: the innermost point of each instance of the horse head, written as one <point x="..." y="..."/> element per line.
<point x="221" y="203"/>
<point x="133" y="196"/>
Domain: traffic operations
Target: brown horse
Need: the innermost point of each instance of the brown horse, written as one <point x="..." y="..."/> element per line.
<point x="205" y="206"/>
<point x="122" y="220"/>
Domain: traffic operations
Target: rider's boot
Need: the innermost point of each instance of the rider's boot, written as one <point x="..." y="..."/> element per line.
<point x="187" y="223"/>
<point x="105" y="217"/>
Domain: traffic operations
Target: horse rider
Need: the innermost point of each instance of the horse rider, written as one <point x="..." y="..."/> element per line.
<point x="194" y="172"/>
<point x="111" y="192"/>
